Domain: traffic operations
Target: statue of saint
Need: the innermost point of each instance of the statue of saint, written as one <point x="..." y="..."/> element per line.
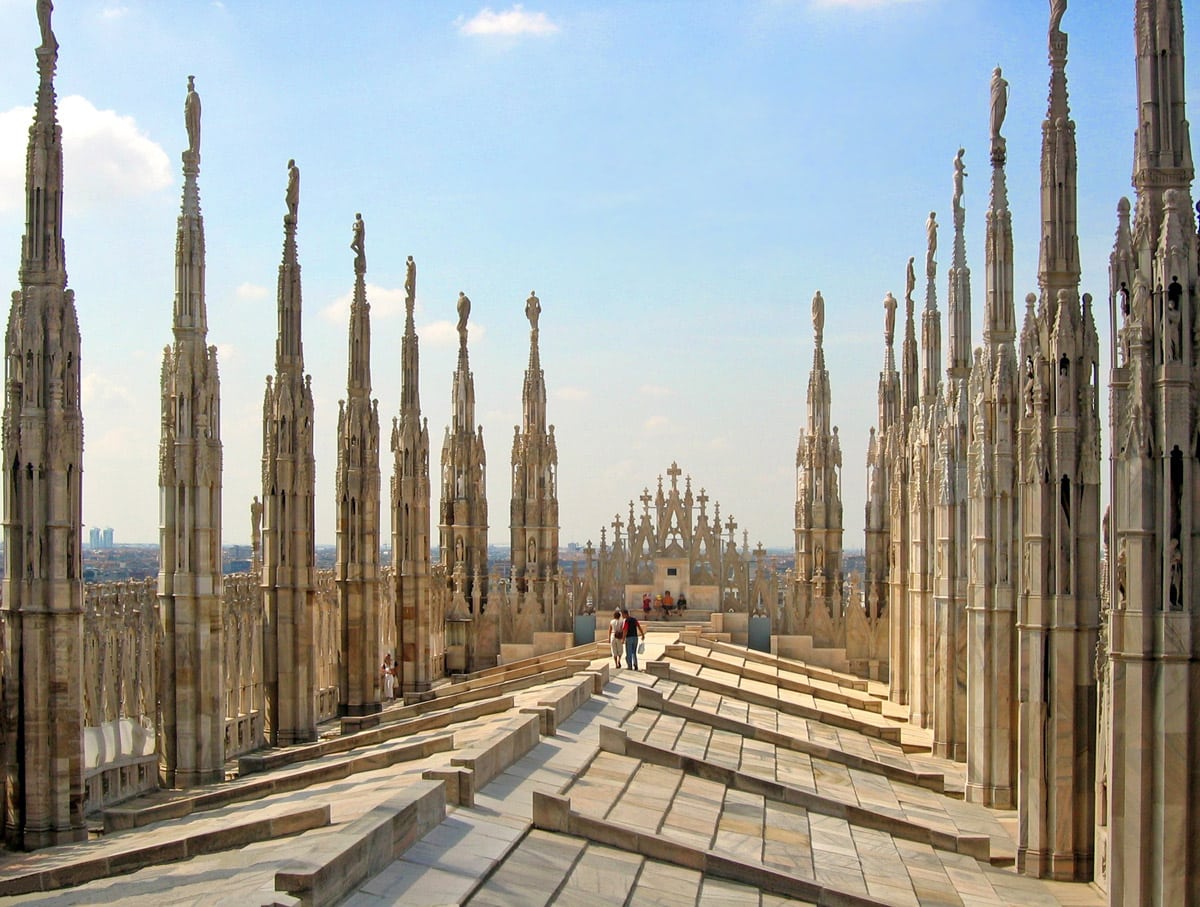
<point x="44" y="9"/>
<point x="910" y="279"/>
<point x="960" y="171"/>
<point x="191" y="116"/>
<point x="464" y="312"/>
<point x="818" y="316"/>
<point x="533" y="309"/>
<point x="256" y="510"/>
<point x="358" y="245"/>
<point x="999" y="101"/>
<point x="889" y="328"/>
<point x="293" y="192"/>
<point x="410" y="284"/>
<point x="931" y="228"/>
<point x="1057" y="9"/>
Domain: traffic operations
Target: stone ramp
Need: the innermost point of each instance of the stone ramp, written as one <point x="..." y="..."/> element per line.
<point x="782" y="847"/>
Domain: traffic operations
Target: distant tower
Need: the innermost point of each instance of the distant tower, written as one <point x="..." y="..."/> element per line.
<point x="1059" y="464"/>
<point x="43" y="449"/>
<point x="534" y="474"/>
<point x="410" y="512"/>
<point x="818" y="491"/>
<point x="878" y="513"/>
<point x="992" y="535"/>
<point x="289" y="554"/>
<point x="189" y="480"/>
<point x="1154" y="670"/>
<point x="356" y="572"/>
<point x="464" y="477"/>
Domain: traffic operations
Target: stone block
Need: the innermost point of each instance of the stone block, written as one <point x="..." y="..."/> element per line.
<point x="613" y="739"/>
<point x="551" y="812"/>
<point x="460" y="784"/>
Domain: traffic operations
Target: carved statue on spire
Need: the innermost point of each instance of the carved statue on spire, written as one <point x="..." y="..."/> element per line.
<point x="931" y="228"/>
<point x="999" y="102"/>
<point x="889" y="327"/>
<point x="44" y="9"/>
<point x="358" y="244"/>
<point x="533" y="309"/>
<point x="293" y="192"/>
<point x="960" y="171"/>
<point x="910" y="280"/>
<point x="818" y="317"/>
<point x="1057" y="9"/>
<point x="464" y="312"/>
<point x="191" y="116"/>
<point x="410" y="286"/>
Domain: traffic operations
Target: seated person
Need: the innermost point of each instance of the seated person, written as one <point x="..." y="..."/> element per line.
<point x="667" y="603"/>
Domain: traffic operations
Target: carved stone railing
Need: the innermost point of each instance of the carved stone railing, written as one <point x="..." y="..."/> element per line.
<point x="122" y="649"/>
<point x="242" y="613"/>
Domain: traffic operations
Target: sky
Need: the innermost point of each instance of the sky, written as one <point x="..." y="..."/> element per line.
<point x="674" y="179"/>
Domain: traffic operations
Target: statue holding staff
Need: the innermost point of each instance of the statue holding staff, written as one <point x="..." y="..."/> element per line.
<point x="358" y="244"/>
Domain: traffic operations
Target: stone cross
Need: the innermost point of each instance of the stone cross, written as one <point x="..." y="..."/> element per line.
<point x="674" y="472"/>
<point x="646" y="499"/>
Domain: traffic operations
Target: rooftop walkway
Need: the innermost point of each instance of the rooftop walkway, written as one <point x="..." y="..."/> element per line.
<point x="716" y="776"/>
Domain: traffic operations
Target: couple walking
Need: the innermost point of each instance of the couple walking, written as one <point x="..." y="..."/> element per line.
<point x="628" y="630"/>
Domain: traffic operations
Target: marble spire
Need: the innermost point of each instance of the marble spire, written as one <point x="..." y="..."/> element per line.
<point x="289" y="553"/>
<point x="190" y="463"/>
<point x="958" y="300"/>
<point x="818" y="515"/>
<point x="463" y="524"/>
<point x="43" y="443"/>
<point x="1149" y="802"/>
<point x="534" y="506"/>
<point x="1059" y="606"/>
<point x="410" y="512"/>
<point x="356" y="568"/>
<point x="993" y="508"/>
<point x="931" y="320"/>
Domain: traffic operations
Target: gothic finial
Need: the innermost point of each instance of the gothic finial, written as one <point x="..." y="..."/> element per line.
<point x="960" y="171"/>
<point x="1057" y="9"/>
<point x="533" y="309"/>
<point x="191" y="116"/>
<point x="410" y="287"/>
<point x="464" y="312"/>
<point x="358" y="244"/>
<point x="931" y="228"/>
<point x="999" y="95"/>
<point x="293" y="193"/>
<point x="44" y="9"/>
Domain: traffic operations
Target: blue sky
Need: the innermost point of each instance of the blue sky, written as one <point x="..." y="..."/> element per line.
<point x="675" y="179"/>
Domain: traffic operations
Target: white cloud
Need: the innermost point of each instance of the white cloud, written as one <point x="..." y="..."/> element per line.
<point x="657" y="425"/>
<point x="106" y="156"/>
<point x="226" y="352"/>
<point x="656" y="390"/>
<point x="508" y="23"/>
<point x="444" y="334"/>
<point x="251" y="291"/>
<point x="384" y="303"/>
<point x="97" y="388"/>
<point x="114" y="12"/>
<point x="572" y="394"/>
<point x="859" y="4"/>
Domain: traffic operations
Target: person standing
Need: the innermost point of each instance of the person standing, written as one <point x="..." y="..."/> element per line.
<point x="616" y="636"/>
<point x="389" y="678"/>
<point x="634" y="634"/>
